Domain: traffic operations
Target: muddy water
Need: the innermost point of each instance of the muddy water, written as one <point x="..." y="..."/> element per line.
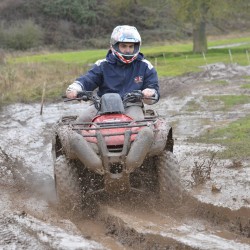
<point x="30" y="219"/>
<point x="27" y="185"/>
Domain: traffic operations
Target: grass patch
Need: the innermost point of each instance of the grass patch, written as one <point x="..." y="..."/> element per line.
<point x="235" y="136"/>
<point x="225" y="102"/>
<point x="170" y="59"/>
<point x="75" y="57"/>
<point x="229" y="41"/>
<point x="192" y="106"/>
<point x="220" y="82"/>
<point x="245" y="86"/>
<point x="24" y="83"/>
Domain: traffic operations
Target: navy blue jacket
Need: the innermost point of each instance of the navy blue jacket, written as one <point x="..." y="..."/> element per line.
<point x="111" y="76"/>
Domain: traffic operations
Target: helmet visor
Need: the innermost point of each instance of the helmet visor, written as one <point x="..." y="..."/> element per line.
<point x="127" y="53"/>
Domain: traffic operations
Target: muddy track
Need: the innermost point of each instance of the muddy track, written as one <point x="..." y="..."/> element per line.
<point x="120" y="225"/>
<point x="160" y="230"/>
<point x="30" y="218"/>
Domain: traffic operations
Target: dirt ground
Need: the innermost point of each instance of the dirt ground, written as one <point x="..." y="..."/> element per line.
<point x="213" y="215"/>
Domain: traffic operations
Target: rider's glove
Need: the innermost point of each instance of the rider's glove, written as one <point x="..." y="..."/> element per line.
<point x="71" y="91"/>
<point x="150" y="93"/>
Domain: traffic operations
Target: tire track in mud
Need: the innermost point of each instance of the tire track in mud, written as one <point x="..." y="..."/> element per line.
<point x="14" y="237"/>
<point x="173" y="229"/>
<point x="237" y="221"/>
<point x="22" y="231"/>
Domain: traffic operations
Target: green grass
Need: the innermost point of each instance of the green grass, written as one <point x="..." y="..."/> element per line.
<point x="245" y="86"/>
<point x="170" y="59"/>
<point x="225" y="102"/>
<point x="217" y="103"/>
<point x="83" y="57"/>
<point x="235" y="136"/>
<point x="167" y="63"/>
<point x="22" y="76"/>
<point x="232" y="41"/>
<point x="219" y="82"/>
<point x="192" y="106"/>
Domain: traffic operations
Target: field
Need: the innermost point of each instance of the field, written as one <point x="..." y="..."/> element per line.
<point x="24" y="77"/>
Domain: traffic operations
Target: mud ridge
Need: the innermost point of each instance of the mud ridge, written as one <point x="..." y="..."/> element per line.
<point x="161" y="230"/>
<point x="237" y="221"/>
<point x="131" y="237"/>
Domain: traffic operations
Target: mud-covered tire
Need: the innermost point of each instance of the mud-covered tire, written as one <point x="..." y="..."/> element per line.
<point x="169" y="181"/>
<point x="67" y="184"/>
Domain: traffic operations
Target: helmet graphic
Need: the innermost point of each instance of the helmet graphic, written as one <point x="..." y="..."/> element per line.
<point x="125" y="34"/>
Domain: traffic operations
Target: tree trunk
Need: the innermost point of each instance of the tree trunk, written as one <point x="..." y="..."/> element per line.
<point x="199" y="37"/>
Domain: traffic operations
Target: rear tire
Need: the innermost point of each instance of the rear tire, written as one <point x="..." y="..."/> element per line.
<point x="67" y="183"/>
<point x="169" y="181"/>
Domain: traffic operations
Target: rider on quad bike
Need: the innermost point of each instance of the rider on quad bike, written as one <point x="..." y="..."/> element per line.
<point x="115" y="145"/>
<point x="122" y="71"/>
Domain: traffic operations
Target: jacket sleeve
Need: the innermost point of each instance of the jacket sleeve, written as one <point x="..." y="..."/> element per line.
<point x="151" y="80"/>
<point x="92" y="79"/>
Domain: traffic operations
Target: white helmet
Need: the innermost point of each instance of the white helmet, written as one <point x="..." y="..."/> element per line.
<point x="125" y="34"/>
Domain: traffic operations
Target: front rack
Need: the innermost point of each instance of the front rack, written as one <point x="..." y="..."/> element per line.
<point x="108" y="125"/>
<point x="92" y="126"/>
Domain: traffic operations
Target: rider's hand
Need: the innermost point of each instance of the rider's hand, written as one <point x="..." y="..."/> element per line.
<point x="71" y="94"/>
<point x="148" y="92"/>
<point x="73" y="89"/>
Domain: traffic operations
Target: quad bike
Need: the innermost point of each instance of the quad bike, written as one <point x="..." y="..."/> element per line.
<point x="114" y="153"/>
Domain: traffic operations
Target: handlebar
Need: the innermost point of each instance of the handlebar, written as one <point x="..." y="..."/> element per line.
<point x="81" y="96"/>
<point x="134" y="96"/>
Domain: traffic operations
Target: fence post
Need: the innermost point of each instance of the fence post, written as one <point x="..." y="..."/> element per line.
<point x="231" y="56"/>
<point x="43" y="95"/>
<point x="164" y="57"/>
<point x="204" y="57"/>
<point x="156" y="63"/>
<point x="248" y="57"/>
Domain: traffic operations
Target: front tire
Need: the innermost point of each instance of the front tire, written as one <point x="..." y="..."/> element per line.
<point x="169" y="181"/>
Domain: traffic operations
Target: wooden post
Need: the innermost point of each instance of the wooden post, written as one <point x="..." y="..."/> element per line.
<point x="248" y="57"/>
<point x="164" y="57"/>
<point x="156" y="63"/>
<point x="231" y="57"/>
<point x="43" y="95"/>
<point x="204" y="57"/>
